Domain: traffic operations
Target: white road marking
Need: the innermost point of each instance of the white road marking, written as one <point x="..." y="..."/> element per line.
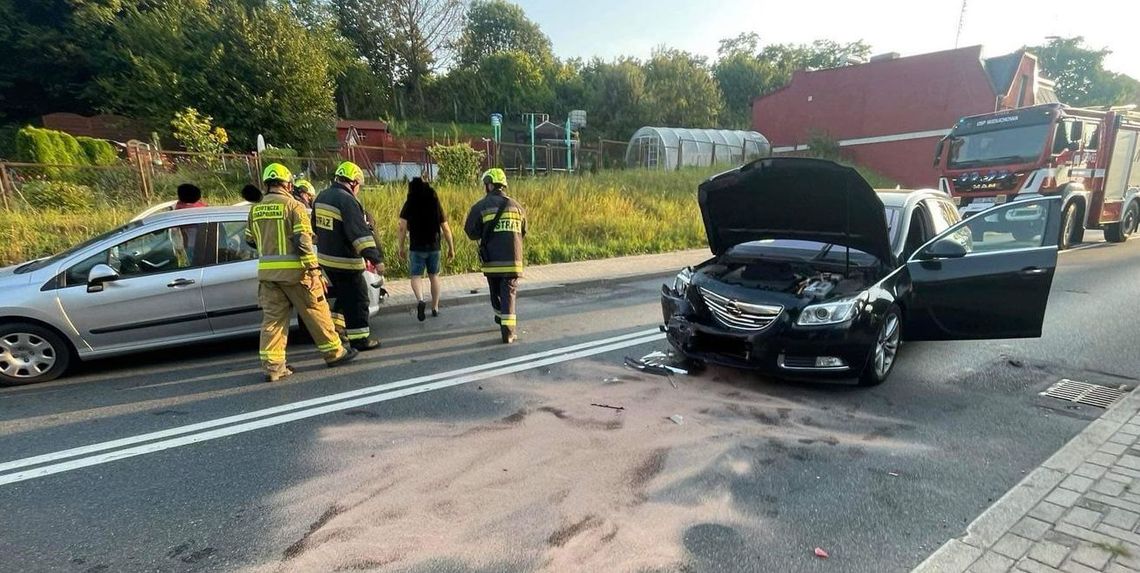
<point x="1084" y="247"/>
<point x="309" y="408"/>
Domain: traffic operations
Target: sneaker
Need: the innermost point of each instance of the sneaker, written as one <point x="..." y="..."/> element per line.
<point x="278" y="376"/>
<point x="420" y="308"/>
<point x="366" y="344"/>
<point x="349" y="355"/>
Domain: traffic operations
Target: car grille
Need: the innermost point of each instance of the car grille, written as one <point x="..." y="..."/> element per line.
<point x="738" y="315"/>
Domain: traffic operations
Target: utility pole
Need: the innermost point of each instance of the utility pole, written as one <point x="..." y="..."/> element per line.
<point x="961" y="24"/>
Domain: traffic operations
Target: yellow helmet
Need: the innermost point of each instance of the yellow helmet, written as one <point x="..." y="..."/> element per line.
<point x="276" y="172"/>
<point x="350" y="171"/>
<point x="495" y="176"/>
<point x="305" y="186"/>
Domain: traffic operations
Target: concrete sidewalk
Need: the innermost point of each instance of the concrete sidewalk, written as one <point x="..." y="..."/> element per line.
<point x="1077" y="513"/>
<point x="538" y="277"/>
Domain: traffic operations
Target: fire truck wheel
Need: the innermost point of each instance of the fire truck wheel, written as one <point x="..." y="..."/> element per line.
<point x="1070" y="228"/>
<point x="1119" y="232"/>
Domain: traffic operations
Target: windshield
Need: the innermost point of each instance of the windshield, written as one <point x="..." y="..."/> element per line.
<point x="1003" y="146"/>
<point x="37" y="265"/>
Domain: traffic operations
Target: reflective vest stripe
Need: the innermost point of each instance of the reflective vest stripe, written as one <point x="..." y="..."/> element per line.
<point x="342" y="263"/>
<point x="364" y="243"/>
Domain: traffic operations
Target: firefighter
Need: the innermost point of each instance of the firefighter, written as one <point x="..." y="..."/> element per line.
<point x="304" y="192"/>
<point x="288" y="276"/>
<point x="499" y="224"/>
<point x="346" y="246"/>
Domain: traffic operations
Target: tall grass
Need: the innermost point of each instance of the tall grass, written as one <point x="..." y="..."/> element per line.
<point x="609" y="214"/>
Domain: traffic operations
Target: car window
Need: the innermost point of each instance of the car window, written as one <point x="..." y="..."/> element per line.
<point x="1008" y="229"/>
<point x="159" y="251"/>
<point x="893" y="214"/>
<point x="232" y="247"/>
<point x="918" y="233"/>
<point x="942" y="214"/>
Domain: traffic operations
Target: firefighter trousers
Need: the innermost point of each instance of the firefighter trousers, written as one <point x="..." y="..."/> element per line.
<point x="277" y="301"/>
<point x="349" y="294"/>
<point x="504" y="292"/>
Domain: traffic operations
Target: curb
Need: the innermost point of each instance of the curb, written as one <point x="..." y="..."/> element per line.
<point x="468" y="298"/>
<point x="959" y="553"/>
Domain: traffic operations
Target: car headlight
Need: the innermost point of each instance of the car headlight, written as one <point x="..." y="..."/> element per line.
<point x="828" y="313"/>
<point x="682" y="281"/>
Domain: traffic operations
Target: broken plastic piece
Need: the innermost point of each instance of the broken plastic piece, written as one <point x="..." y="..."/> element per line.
<point x="618" y="408"/>
<point x="677" y="419"/>
<point x="819" y="552"/>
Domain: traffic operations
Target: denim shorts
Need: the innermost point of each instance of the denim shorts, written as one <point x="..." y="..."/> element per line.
<point x="423" y="260"/>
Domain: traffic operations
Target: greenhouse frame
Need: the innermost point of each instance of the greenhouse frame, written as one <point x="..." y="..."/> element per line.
<point x="676" y="147"/>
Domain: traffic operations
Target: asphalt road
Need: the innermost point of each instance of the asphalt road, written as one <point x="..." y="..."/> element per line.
<point x="446" y="451"/>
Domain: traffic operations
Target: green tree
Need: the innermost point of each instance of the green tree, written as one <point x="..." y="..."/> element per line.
<point x="1080" y="74"/>
<point x="518" y="84"/>
<point x="616" y="97"/>
<point x="683" y="91"/>
<point x="494" y="26"/>
<point x="403" y="40"/>
<point x="741" y="77"/>
<point x="197" y="133"/>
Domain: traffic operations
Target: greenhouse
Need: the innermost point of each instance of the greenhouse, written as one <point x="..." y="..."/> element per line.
<point x="674" y="147"/>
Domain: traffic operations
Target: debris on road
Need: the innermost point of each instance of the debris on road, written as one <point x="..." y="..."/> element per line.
<point x="819" y="552"/>
<point x="893" y="474"/>
<point x="1016" y="363"/>
<point x="473" y="291"/>
<point x="619" y="408"/>
<point x="677" y="419"/>
<point x="611" y="380"/>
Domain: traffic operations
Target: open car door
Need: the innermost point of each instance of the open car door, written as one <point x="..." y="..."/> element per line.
<point x="986" y="277"/>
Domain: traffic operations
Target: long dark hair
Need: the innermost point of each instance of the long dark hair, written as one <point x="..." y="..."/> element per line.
<point x="422" y="203"/>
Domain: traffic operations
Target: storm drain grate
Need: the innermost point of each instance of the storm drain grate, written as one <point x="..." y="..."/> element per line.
<point x="1084" y="393"/>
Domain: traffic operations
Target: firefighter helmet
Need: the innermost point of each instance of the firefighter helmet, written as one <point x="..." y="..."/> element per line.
<point x="304" y="186"/>
<point x="276" y="172"/>
<point x="495" y="176"/>
<point x="350" y="171"/>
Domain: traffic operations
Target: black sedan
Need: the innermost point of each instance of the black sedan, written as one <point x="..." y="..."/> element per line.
<point x="812" y="275"/>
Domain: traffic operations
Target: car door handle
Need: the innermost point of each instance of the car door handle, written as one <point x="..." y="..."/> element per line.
<point x="1033" y="271"/>
<point x="180" y="283"/>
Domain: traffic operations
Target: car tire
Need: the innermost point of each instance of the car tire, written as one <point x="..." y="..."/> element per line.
<point x="884" y="351"/>
<point x="1119" y="232"/>
<point x="30" y="353"/>
<point x="1070" y="234"/>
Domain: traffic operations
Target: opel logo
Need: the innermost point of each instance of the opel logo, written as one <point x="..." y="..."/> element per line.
<point x="733" y="309"/>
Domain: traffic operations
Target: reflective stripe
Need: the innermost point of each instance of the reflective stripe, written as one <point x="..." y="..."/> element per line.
<point x="281" y="237"/>
<point x="279" y="265"/>
<point x="364" y="243"/>
<point x="506" y="215"/>
<point x="309" y="260"/>
<point x="331" y="346"/>
<point x="327" y="210"/>
<point x="356" y="333"/>
<point x="343" y="263"/>
<point x="508" y="321"/>
<point x="302" y="228"/>
<point x="272" y="355"/>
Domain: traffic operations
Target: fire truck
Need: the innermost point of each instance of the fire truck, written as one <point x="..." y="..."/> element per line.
<point x="1091" y="157"/>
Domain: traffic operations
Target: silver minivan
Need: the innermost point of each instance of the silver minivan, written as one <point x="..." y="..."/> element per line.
<point x="168" y="279"/>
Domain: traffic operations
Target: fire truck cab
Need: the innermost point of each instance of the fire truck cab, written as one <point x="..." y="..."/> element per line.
<point x="1091" y="157"/>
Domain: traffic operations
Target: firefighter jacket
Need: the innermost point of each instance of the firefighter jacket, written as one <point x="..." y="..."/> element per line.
<point x="279" y="228"/>
<point x="501" y="241"/>
<point x="344" y="237"/>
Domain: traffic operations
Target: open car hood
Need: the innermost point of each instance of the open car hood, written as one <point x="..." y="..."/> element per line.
<point x="794" y="198"/>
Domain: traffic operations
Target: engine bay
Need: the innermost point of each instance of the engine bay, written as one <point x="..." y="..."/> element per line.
<point x="813" y="281"/>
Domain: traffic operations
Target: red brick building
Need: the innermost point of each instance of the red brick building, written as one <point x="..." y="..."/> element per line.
<point x="888" y="114"/>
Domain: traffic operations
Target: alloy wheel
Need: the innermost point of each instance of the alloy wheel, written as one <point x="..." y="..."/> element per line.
<point x="25" y="355"/>
<point x="887" y="345"/>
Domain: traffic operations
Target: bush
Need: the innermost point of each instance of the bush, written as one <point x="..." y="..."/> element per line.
<point x="197" y="133"/>
<point x="282" y="155"/>
<point x="458" y="164"/>
<point x="98" y="151"/>
<point x="823" y="146"/>
<point x="58" y="195"/>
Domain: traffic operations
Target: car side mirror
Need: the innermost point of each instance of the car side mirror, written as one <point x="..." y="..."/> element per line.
<point x="945" y="248"/>
<point x="98" y="276"/>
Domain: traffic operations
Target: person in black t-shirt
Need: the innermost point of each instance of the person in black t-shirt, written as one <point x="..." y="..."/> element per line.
<point x="423" y="220"/>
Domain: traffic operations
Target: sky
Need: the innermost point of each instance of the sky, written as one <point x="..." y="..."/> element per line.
<point x="609" y="28"/>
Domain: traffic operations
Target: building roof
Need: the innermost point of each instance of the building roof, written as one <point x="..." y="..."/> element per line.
<point x="1002" y="69"/>
<point x="367" y="124"/>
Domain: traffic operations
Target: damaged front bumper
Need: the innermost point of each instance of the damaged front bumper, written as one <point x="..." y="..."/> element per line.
<point x="839" y="351"/>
